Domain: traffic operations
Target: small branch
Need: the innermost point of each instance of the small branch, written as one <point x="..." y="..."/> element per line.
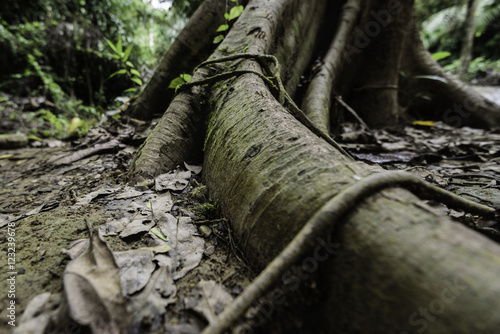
<point x="352" y="111"/>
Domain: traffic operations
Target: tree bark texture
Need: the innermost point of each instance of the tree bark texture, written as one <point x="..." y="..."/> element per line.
<point x="398" y="267"/>
<point x="317" y="100"/>
<point x="381" y="35"/>
<point x="177" y="138"/>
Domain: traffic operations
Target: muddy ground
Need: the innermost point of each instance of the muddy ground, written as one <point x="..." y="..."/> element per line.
<point x="49" y="193"/>
<point x="48" y="205"/>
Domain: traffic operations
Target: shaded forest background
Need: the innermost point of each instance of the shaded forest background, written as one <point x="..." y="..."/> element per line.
<point x="82" y="59"/>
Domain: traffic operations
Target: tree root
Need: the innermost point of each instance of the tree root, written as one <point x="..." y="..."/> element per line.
<point x="323" y="222"/>
<point x="275" y="85"/>
<point x="469" y="107"/>
<point x="316" y="103"/>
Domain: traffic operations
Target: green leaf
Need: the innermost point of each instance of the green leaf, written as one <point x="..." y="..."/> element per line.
<point x="136" y="80"/>
<point x="156" y="231"/>
<point x="122" y="71"/>
<point x="116" y="56"/>
<point x="431" y="77"/>
<point x="223" y="27"/>
<point x="111" y="45"/>
<point x="234" y="1"/>
<point x="235" y="12"/>
<point x="133" y="89"/>
<point x="135" y="72"/>
<point x="186" y="77"/>
<point x="226" y="16"/>
<point x="176" y="82"/>
<point x="218" y="39"/>
<point x="119" y="47"/>
<point x="127" y="53"/>
<point x="440" y="55"/>
<point x="128" y="63"/>
<point x="33" y="137"/>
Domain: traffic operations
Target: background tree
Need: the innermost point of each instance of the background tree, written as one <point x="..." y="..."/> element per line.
<point x="468" y="41"/>
<point x="442" y="26"/>
<point x="59" y="50"/>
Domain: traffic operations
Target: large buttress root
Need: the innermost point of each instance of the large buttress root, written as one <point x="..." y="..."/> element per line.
<point x="271" y="174"/>
<point x="323" y="222"/>
<point x="176" y="138"/>
<point x="453" y="102"/>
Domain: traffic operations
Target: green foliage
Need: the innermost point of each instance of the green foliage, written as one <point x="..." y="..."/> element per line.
<point x="478" y="66"/>
<point x="62" y="50"/>
<point x="180" y="80"/>
<point x="441" y="29"/>
<point x="441" y="20"/>
<point x="218" y="39"/>
<point x="49" y="85"/>
<point x="210" y="210"/>
<point x="437" y="56"/>
<point x="127" y="67"/>
<point x="234" y="13"/>
<point x="58" y="124"/>
<point x="230" y="15"/>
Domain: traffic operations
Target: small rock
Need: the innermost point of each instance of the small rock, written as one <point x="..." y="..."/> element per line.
<point x="205" y="231"/>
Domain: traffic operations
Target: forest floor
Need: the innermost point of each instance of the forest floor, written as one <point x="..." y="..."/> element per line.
<point x="174" y="259"/>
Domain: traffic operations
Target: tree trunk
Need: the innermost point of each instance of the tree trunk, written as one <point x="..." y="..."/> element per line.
<point x="381" y="36"/>
<point x="390" y="265"/>
<point x="468" y="41"/>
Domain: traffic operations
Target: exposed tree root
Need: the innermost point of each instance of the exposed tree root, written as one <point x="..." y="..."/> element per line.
<point x="323" y="222"/>
<point x="316" y="103"/>
<point x="271" y="174"/>
<point x="453" y="102"/>
<point x="176" y="138"/>
<point x="275" y="85"/>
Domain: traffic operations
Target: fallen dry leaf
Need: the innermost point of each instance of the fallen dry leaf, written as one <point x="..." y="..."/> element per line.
<point x="93" y="291"/>
<point x="187" y="248"/>
<point x="148" y="306"/>
<point x="208" y="298"/>
<point x="176" y="181"/>
<point x="136" y="267"/>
